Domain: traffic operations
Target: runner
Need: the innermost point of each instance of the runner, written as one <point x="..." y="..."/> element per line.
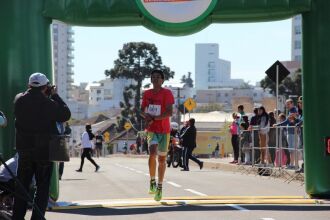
<point x="157" y="110"/>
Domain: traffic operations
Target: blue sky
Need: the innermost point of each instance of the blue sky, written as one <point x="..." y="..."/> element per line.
<point x="251" y="48"/>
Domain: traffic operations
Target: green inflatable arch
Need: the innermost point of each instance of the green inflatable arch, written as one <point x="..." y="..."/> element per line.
<point x="25" y="43"/>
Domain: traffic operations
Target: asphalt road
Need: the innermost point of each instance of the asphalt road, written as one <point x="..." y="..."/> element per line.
<point x="126" y="179"/>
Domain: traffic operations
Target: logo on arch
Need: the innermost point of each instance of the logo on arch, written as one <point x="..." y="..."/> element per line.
<point x="176" y="11"/>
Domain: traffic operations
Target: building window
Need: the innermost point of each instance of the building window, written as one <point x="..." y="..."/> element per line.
<point x="297" y="44"/>
<point x="297" y="30"/>
<point x="98" y="91"/>
<point x="211" y="64"/>
<point x="297" y="57"/>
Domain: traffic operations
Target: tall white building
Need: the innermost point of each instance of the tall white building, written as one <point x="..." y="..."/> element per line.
<point x="211" y="71"/>
<point x="106" y="94"/>
<point x="63" y="58"/>
<point x="296" y="42"/>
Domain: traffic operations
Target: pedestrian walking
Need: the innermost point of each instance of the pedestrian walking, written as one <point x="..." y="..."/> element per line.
<point x="99" y="139"/>
<point x="217" y="150"/>
<point x="87" y="145"/>
<point x="189" y="144"/>
<point x="157" y="109"/>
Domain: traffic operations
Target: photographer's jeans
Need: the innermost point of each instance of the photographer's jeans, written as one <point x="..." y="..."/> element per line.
<point x="27" y="168"/>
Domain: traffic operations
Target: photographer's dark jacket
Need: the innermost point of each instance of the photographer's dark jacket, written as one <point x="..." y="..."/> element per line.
<point x="36" y="116"/>
<point x="188" y="137"/>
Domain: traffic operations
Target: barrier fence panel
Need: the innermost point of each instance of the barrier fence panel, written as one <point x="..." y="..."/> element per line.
<point x="272" y="151"/>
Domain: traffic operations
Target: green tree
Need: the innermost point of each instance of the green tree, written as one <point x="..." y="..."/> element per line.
<point x="245" y="85"/>
<point x="187" y="80"/>
<point x="136" y="61"/>
<point x="289" y="86"/>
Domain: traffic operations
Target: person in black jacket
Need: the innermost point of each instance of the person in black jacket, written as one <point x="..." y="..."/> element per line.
<point x="36" y="111"/>
<point x="188" y="137"/>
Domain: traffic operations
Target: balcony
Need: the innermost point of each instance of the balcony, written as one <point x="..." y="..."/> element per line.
<point x="70" y="55"/>
<point x="71" y="39"/>
<point x="69" y="80"/>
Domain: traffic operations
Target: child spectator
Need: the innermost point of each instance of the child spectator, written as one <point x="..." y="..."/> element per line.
<point x="246" y="141"/>
<point x="282" y="137"/>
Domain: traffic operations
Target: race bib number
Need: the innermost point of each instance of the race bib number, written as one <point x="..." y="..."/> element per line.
<point x="154" y="110"/>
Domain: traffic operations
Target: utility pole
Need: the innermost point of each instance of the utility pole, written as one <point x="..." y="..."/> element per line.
<point x="178" y="120"/>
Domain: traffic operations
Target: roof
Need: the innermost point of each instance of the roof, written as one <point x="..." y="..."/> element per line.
<point x="92" y="120"/>
<point x="213" y="117"/>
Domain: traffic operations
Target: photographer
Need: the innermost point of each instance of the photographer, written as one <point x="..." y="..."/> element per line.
<point x="36" y="111"/>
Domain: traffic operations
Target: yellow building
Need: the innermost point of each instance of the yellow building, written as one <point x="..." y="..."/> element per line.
<point x="211" y="128"/>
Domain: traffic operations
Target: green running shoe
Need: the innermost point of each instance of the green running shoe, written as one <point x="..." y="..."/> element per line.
<point x="153" y="187"/>
<point x="159" y="194"/>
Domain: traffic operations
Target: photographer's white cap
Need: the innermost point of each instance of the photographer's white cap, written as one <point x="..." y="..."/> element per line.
<point x="38" y="79"/>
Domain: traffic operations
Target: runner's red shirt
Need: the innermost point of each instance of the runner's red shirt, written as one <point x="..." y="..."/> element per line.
<point x="155" y="104"/>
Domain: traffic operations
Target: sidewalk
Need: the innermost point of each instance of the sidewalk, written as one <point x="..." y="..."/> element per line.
<point x="210" y="163"/>
<point x="224" y="165"/>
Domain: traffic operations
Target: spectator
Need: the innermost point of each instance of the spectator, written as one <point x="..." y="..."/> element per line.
<point x="255" y="135"/>
<point x="138" y="142"/>
<point x="62" y="131"/>
<point x="300" y="131"/>
<point x="240" y="110"/>
<point x="283" y="143"/>
<point x="290" y="122"/>
<point x="246" y="120"/>
<point x="272" y="136"/>
<point x="7" y="182"/>
<point x="245" y="140"/>
<point x="233" y="128"/>
<point x="99" y="139"/>
<point x="264" y="127"/>
<point x="36" y="112"/>
<point x="290" y="107"/>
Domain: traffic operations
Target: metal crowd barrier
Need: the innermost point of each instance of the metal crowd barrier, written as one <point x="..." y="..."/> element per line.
<point x="278" y="153"/>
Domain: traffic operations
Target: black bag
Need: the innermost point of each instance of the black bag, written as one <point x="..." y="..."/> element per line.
<point x="58" y="149"/>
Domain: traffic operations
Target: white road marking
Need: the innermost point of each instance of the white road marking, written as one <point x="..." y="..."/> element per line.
<point x="131" y="169"/>
<point x="147" y="174"/>
<point x="237" y="207"/>
<point x="267" y="219"/>
<point x="138" y="171"/>
<point x="195" y="192"/>
<point x="174" y="184"/>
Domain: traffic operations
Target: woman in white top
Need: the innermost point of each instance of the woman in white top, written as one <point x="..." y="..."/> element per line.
<point x="87" y="145"/>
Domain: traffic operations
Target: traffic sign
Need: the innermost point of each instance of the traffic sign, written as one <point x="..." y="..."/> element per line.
<point x="282" y="72"/>
<point x="190" y="104"/>
<point x="127" y="126"/>
<point x="106" y="136"/>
